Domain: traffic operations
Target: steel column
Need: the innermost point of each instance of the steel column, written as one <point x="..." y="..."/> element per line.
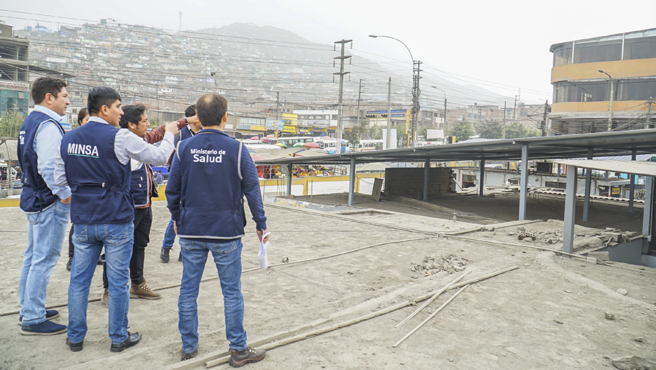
<point x="570" y="210"/>
<point x="289" y="180"/>
<point x="632" y="182"/>
<point x="524" y="183"/>
<point x="481" y="183"/>
<point x="351" y="182"/>
<point x="588" y="181"/>
<point x="649" y="206"/>
<point x="426" y="174"/>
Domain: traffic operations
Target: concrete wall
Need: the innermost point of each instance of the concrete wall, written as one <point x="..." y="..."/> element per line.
<point x="409" y="182"/>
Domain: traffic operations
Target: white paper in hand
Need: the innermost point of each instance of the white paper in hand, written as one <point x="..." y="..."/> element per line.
<point x="262" y="255"/>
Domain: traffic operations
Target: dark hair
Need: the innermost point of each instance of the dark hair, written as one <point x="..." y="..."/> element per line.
<point x="131" y="113"/>
<point x="211" y="108"/>
<point x="190" y="111"/>
<point x="100" y="96"/>
<point x="80" y="115"/>
<point x="46" y="85"/>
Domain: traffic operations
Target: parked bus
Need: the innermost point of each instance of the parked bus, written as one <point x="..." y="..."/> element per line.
<point x="369" y="145"/>
<point x="329" y="145"/>
<point x="289" y="141"/>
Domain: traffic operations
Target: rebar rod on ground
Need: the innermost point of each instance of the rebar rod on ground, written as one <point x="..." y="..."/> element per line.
<point x="223" y="359"/>
<point x="429" y="301"/>
<point x="429" y="317"/>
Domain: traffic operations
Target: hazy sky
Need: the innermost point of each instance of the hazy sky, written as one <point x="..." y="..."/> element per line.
<point x="501" y="45"/>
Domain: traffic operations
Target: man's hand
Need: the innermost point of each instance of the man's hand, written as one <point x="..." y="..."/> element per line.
<point x="66" y="201"/>
<point x="193" y="120"/>
<point x="260" y="233"/>
<point x="172" y="127"/>
<point x="175" y="227"/>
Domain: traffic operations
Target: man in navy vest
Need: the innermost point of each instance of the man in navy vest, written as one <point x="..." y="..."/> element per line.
<point x="46" y="204"/>
<point x="185" y="133"/>
<point x="143" y="190"/>
<point x="210" y="174"/>
<point x="94" y="161"/>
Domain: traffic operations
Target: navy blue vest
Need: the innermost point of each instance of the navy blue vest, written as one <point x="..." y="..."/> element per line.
<point x="186" y="133"/>
<point x="140" y="186"/>
<point x="36" y="195"/>
<point x="100" y="184"/>
<point x="212" y="196"/>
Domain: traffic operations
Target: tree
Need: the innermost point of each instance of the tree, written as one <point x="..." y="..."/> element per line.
<point x="490" y="130"/>
<point x="516" y="130"/>
<point x="153" y="122"/>
<point x="10" y="124"/>
<point x="461" y="130"/>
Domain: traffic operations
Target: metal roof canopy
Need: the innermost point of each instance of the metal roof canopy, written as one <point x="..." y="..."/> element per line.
<point x="635" y="168"/>
<point x="550" y="147"/>
<point x="647" y="169"/>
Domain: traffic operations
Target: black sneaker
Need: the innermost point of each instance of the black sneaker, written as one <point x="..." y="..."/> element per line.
<point x="164" y="254"/>
<point x="189" y="356"/>
<point x="133" y="339"/>
<point x="101" y="259"/>
<point x="180" y="257"/>
<point x="75" y="347"/>
<point x="241" y="358"/>
<point x="69" y="264"/>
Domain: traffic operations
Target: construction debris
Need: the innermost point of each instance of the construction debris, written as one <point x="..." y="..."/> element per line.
<point x="433" y="265"/>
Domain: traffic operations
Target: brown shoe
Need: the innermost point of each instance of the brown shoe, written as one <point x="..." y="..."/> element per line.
<point x="189" y="356"/>
<point x="105" y="298"/>
<point x="143" y="291"/>
<point x="241" y="358"/>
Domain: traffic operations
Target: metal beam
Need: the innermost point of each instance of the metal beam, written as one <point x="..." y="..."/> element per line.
<point x="351" y="182"/>
<point x="570" y="210"/>
<point x="524" y="183"/>
<point x="649" y="206"/>
<point x="632" y="183"/>
<point x="289" y="179"/>
<point x="481" y="183"/>
<point x="426" y="174"/>
<point x="588" y="181"/>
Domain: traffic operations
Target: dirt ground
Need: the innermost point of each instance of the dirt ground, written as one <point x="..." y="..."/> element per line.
<point x="550" y="313"/>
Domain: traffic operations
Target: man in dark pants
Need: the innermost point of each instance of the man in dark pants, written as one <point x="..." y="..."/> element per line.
<point x="143" y="190"/>
<point x="95" y="161"/>
<point x="186" y="133"/>
<point x="210" y="174"/>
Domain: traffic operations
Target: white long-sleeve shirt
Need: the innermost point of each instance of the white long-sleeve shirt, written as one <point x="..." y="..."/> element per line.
<point x="126" y="146"/>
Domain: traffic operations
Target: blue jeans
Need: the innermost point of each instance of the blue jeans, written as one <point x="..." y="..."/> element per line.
<point x="89" y="240"/>
<point x="169" y="236"/>
<point x="227" y="257"/>
<point x="45" y="237"/>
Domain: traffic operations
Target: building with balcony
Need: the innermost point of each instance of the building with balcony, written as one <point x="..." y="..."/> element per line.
<point x="14" y="72"/>
<point x="581" y="93"/>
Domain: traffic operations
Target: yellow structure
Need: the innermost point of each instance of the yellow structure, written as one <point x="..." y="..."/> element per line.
<point x="581" y="100"/>
<point x="291" y="123"/>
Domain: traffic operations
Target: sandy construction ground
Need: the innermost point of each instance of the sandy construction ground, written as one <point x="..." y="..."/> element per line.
<point x="549" y="313"/>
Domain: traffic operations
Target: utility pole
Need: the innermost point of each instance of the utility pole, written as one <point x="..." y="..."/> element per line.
<point x="388" y="139"/>
<point x="544" y="118"/>
<point x="445" y="124"/>
<point x="648" y="122"/>
<point x="416" y="69"/>
<point x="515" y="108"/>
<point x="180" y="20"/>
<point x="503" y="135"/>
<point x="277" y="106"/>
<point x="338" y="136"/>
<point x="359" y="95"/>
